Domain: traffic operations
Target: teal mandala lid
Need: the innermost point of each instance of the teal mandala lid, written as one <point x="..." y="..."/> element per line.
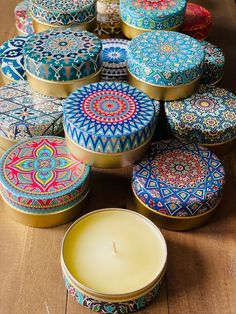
<point x="109" y="117"/>
<point x="165" y="58"/>
<point x="179" y="179"/>
<point x="63" y="54"/>
<point x="153" y="15"/>
<point x="39" y="175"/>
<point x="63" y="12"/>
<point x="207" y="117"/>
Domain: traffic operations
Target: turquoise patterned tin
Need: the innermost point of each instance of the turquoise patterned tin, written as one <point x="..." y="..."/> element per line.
<point x="138" y="16"/>
<point x="59" y="61"/>
<point x="167" y="60"/>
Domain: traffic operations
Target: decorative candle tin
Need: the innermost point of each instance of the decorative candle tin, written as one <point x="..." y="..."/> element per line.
<point x="208" y="117"/>
<point x="114" y="57"/>
<point x="63" y="13"/>
<point x="139" y="16"/>
<point x="197" y="21"/>
<point x="108" y="124"/>
<point x="23" y="20"/>
<point x="213" y="68"/>
<point x="42" y="184"/>
<point x="108" y="244"/>
<point x="24" y="114"/>
<point x="12" y="59"/>
<point x="165" y="65"/>
<point x="59" y="61"/>
<point x="178" y="185"/>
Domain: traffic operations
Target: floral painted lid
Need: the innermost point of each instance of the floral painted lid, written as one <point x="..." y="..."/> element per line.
<point x="12" y="59"/>
<point x="63" y="54"/>
<point x="24" y="113"/>
<point x="23" y="18"/>
<point x="109" y="117"/>
<point x="165" y="58"/>
<point x="39" y="175"/>
<point x="179" y="179"/>
<point x="207" y="117"/>
<point x="63" y="12"/>
<point x="149" y="14"/>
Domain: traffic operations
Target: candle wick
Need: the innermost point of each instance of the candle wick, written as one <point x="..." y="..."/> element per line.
<point x="114" y="247"/>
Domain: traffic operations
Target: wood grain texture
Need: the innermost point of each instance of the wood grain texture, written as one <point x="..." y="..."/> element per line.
<point x="201" y="274"/>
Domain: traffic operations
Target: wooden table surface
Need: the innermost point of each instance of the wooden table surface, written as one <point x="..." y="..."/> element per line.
<point x="201" y="274"/>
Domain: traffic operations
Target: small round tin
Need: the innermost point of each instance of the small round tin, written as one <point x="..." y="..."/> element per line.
<point x="59" y="61"/>
<point x="114" y="58"/>
<point x="178" y="185"/>
<point x="42" y="184"/>
<point x="24" y="114"/>
<point x="213" y="68"/>
<point x="23" y="20"/>
<point x="208" y="118"/>
<point x="139" y="16"/>
<point x="197" y="21"/>
<point x="108" y="124"/>
<point x="112" y="238"/>
<point x="63" y="13"/>
<point x="165" y="65"/>
<point x="12" y="60"/>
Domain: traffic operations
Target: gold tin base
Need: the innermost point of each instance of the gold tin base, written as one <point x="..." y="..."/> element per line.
<point x="45" y="220"/>
<point x="6" y="80"/>
<point x="222" y="148"/>
<point x="106" y="161"/>
<point x="60" y="89"/>
<point x="173" y="223"/>
<point x="131" y="31"/>
<point x="164" y="92"/>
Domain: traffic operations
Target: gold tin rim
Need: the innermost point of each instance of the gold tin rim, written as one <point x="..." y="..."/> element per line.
<point x="7" y="80"/>
<point x="117" y="296"/>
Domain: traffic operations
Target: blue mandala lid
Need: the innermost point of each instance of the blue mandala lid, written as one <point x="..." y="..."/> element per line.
<point x="179" y="179"/>
<point x="63" y="54"/>
<point x="207" y="117"/>
<point x="165" y="58"/>
<point x="109" y="117"/>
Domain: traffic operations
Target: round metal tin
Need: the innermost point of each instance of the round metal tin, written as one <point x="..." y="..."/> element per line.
<point x="23" y="20"/>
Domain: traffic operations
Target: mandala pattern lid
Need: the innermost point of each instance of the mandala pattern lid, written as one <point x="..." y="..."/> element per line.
<point x="24" y="113"/>
<point x="165" y="58"/>
<point x="213" y="68"/>
<point x="159" y="14"/>
<point x="63" y="12"/>
<point x="63" y="54"/>
<point x="114" y="57"/>
<point x="197" y="22"/>
<point x="207" y="117"/>
<point x="23" y="19"/>
<point x="40" y="176"/>
<point x="109" y="117"/>
<point x="179" y="179"/>
<point x="12" y="59"/>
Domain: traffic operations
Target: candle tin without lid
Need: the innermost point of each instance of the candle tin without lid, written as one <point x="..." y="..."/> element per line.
<point x="108" y="124"/>
<point x="42" y="184"/>
<point x="139" y="16"/>
<point x="110" y="253"/>
<point x="165" y="65"/>
<point x="63" y="13"/>
<point x="23" y="20"/>
<point x="59" y="61"/>
<point x="178" y="185"/>
<point x="208" y="118"/>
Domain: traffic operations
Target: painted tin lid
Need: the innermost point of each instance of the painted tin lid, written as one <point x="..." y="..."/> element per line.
<point x="165" y="58"/>
<point x="63" y="12"/>
<point x="197" y="21"/>
<point x="63" y="54"/>
<point x="23" y="19"/>
<point x="213" y="68"/>
<point x="152" y="15"/>
<point x="24" y="113"/>
<point x="39" y="175"/>
<point x="12" y="59"/>
<point x="207" y="117"/>
<point x="109" y="117"/>
<point x="179" y="179"/>
<point x="114" y="57"/>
